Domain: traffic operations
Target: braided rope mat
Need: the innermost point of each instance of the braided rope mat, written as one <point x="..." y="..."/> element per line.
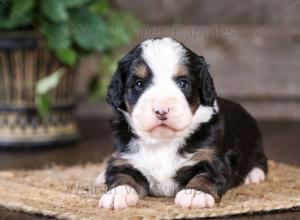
<point x="70" y="193"/>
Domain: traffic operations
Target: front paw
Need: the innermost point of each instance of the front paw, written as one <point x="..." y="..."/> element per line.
<point x="190" y="198"/>
<point x="119" y="197"/>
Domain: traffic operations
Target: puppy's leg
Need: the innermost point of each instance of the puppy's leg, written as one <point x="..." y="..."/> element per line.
<point x="198" y="193"/>
<point x="124" y="190"/>
<point x="255" y="176"/>
<point x="126" y="186"/>
<point x="203" y="185"/>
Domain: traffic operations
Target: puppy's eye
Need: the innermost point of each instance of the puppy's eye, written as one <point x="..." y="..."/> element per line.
<point x="139" y="84"/>
<point x="182" y="83"/>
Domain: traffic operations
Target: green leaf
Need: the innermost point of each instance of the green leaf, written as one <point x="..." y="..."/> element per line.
<point x="67" y="56"/>
<point x="100" y="7"/>
<point x="54" y="10"/>
<point x="56" y="35"/>
<point x="21" y="8"/>
<point x="42" y="89"/>
<point x="17" y="22"/>
<point x="74" y="3"/>
<point x="43" y="104"/>
<point x="125" y="24"/>
<point x="10" y="18"/>
<point x="89" y="31"/>
<point x="43" y="86"/>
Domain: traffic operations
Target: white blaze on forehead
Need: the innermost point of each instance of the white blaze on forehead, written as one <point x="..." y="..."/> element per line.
<point x="163" y="56"/>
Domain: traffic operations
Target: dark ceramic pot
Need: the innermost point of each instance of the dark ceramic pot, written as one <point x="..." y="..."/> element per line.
<point x="23" y="61"/>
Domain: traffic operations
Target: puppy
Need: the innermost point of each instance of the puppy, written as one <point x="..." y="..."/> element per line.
<point x="173" y="136"/>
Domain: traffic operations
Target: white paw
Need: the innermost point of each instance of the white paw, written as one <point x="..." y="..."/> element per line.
<point x="255" y="176"/>
<point x="100" y="180"/>
<point x="119" y="197"/>
<point x="190" y="198"/>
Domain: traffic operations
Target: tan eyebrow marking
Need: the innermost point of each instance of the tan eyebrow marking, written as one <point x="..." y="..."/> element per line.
<point x="181" y="71"/>
<point x="141" y="71"/>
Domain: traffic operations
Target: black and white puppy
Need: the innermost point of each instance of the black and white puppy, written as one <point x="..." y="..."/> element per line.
<point x="173" y="136"/>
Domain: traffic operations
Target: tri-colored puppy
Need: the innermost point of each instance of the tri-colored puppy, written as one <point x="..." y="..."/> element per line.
<point x="173" y="136"/>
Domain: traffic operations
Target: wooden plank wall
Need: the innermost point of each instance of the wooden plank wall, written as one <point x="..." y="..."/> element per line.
<point x="253" y="46"/>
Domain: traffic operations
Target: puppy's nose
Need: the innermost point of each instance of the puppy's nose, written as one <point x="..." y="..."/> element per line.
<point x="161" y="114"/>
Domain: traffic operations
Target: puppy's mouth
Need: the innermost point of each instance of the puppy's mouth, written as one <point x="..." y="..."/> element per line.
<point x="164" y="127"/>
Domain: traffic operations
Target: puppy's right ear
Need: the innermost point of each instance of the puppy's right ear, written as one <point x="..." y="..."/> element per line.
<point x="116" y="89"/>
<point x="115" y="93"/>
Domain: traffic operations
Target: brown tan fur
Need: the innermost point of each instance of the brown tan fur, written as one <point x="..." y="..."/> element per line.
<point x="203" y="154"/>
<point x="201" y="183"/>
<point x="129" y="108"/>
<point x="124" y="179"/>
<point x="116" y="160"/>
<point x="141" y="71"/>
<point x="181" y="71"/>
<point x="194" y="107"/>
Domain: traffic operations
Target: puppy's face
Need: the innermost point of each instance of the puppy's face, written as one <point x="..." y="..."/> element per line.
<point x="160" y="85"/>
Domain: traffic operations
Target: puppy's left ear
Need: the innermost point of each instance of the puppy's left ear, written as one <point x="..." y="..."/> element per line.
<point x="206" y="87"/>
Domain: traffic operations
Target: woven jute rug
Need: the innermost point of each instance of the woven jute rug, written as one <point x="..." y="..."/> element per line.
<point x="71" y="193"/>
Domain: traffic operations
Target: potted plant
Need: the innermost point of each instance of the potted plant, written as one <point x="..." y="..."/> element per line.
<point x="41" y="42"/>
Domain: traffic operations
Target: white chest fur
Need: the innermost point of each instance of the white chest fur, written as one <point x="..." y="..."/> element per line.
<point x="159" y="165"/>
